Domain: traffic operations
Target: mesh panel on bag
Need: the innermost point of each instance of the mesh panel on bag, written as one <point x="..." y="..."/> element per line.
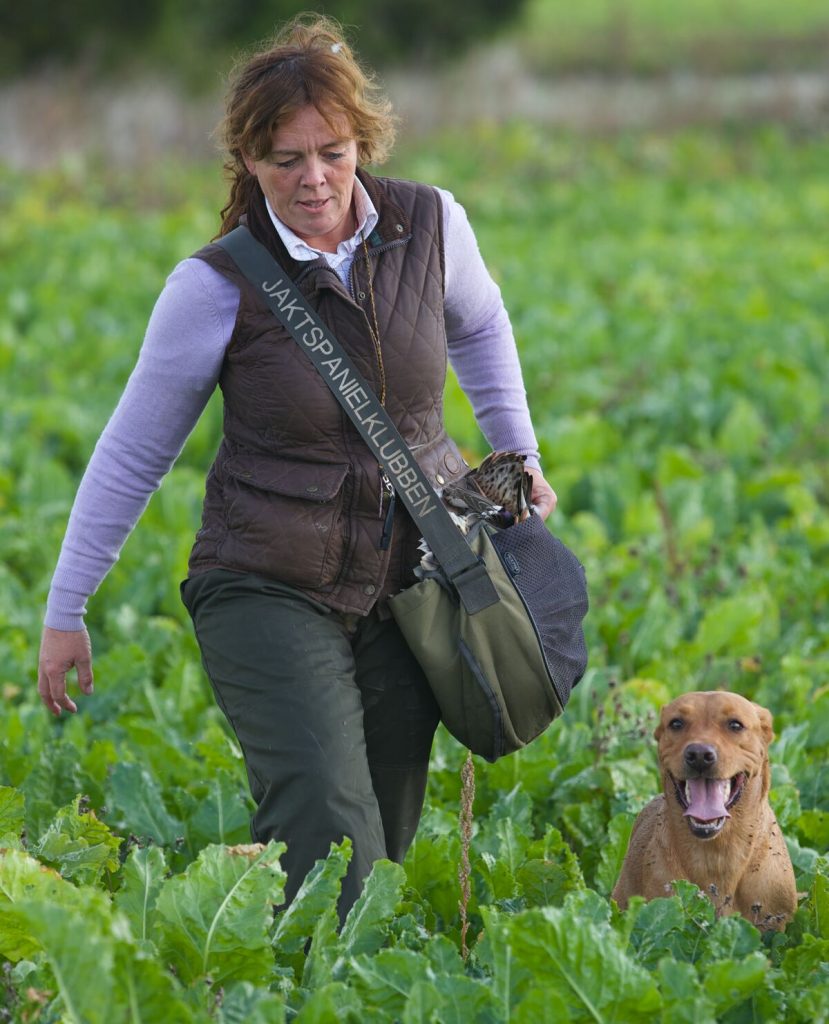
<point x="552" y="583"/>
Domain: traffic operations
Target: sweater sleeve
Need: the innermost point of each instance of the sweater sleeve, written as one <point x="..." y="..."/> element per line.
<point x="176" y="372"/>
<point x="481" y="344"/>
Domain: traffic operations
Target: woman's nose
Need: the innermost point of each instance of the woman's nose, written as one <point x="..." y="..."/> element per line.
<point x="313" y="172"/>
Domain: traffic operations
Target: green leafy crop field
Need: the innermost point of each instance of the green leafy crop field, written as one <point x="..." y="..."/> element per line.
<point x="670" y="297"/>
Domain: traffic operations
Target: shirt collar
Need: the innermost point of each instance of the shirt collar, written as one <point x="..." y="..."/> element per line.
<point x="367" y="219"/>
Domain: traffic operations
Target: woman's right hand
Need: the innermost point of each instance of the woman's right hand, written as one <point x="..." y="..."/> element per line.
<point x="59" y="652"/>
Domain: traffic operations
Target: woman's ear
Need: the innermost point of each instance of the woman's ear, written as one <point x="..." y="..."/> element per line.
<point x="250" y="163"/>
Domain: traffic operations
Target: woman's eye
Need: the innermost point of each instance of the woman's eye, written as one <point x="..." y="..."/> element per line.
<point x="334" y="156"/>
<point x="274" y="161"/>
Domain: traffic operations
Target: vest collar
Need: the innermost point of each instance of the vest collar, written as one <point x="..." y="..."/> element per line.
<point x="393" y="228"/>
<point x="393" y="225"/>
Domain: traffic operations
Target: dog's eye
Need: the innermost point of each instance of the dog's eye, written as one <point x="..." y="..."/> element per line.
<point x="676" y="724"/>
<point x="735" y="725"/>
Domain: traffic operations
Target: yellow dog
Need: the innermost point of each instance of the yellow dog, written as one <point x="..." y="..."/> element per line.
<point x="713" y="824"/>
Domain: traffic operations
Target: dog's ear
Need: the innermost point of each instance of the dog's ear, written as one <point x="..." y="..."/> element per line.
<point x="766" y="727"/>
<point x="657" y="732"/>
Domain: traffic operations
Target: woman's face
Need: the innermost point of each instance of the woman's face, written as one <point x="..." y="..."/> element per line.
<point x="308" y="178"/>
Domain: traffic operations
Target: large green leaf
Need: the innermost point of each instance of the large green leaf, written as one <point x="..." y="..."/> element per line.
<point x="142" y="881"/>
<point x="213" y="921"/>
<point x="499" y="883"/>
<point x="551" y="872"/>
<point x="145" y="992"/>
<point x="507" y="828"/>
<point x="581" y="963"/>
<point x="613" y="853"/>
<point x="24" y="880"/>
<point x="452" y="1000"/>
<point x="318" y="893"/>
<point x="810" y="1007"/>
<point x="223" y="815"/>
<point x="686" y="1001"/>
<point x="678" y="926"/>
<point x="732" y="937"/>
<point x="743" y="432"/>
<point x="432" y="870"/>
<point x="80" y="846"/>
<point x="728" y="983"/>
<point x="334" y="1001"/>
<point x="323" y="955"/>
<point x="53" y="781"/>
<point x="75" y="930"/>
<point x="807" y="964"/>
<point x="384" y="981"/>
<point x="820" y="904"/>
<point x="78" y="945"/>
<point x="367" y="923"/>
<point x="739" y="624"/>
<point x="244" y="1003"/>
<point x="11" y="814"/>
<point x="139" y="802"/>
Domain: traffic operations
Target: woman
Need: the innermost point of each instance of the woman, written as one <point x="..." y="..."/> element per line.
<point x="300" y="542"/>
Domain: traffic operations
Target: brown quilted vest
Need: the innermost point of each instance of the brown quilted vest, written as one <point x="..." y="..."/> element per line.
<point x="294" y="492"/>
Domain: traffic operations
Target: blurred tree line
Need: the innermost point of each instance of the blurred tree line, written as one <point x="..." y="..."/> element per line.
<point x="188" y="36"/>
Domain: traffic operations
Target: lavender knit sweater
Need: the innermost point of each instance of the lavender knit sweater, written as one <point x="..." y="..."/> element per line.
<point x="177" y="371"/>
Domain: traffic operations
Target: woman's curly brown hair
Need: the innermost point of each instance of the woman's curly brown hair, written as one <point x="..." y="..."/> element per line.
<point x="308" y="62"/>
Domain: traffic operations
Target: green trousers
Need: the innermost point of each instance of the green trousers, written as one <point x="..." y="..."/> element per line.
<point x="333" y="714"/>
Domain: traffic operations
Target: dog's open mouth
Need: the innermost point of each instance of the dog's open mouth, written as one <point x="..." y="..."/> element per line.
<point x="706" y="802"/>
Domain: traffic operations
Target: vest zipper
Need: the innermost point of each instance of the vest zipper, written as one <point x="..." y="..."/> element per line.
<point x="374" y="330"/>
<point x="388" y="523"/>
<point x="386" y="487"/>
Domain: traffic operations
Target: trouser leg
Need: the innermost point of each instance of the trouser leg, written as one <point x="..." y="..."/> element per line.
<point x="282" y="671"/>
<point x="333" y="715"/>
<point x="400" y="718"/>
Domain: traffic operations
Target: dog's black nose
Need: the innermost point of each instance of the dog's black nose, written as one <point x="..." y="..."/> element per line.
<point x="700" y="756"/>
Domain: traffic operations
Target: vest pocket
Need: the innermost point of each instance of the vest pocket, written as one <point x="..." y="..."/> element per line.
<point x="285" y="518"/>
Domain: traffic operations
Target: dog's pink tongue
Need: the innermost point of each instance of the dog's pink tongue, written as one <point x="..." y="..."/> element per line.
<point x="706" y="798"/>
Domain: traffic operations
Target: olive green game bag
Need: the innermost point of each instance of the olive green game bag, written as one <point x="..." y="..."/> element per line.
<point x="497" y="623"/>
<point x="503" y="672"/>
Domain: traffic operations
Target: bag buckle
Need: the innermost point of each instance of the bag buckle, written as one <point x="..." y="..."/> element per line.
<point x="475" y="588"/>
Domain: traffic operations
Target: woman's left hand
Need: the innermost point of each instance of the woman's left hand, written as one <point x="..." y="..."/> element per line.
<point x="543" y="496"/>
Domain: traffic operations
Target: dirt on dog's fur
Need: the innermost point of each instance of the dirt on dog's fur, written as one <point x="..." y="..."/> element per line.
<point x="713" y="824"/>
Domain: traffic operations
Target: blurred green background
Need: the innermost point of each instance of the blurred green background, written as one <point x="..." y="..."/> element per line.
<point x="189" y="37"/>
<point x="130" y="82"/>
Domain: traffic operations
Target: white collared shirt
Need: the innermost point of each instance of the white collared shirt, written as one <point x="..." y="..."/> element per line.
<point x="341" y="260"/>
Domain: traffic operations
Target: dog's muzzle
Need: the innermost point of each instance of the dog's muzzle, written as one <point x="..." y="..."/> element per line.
<point x="706" y="802"/>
